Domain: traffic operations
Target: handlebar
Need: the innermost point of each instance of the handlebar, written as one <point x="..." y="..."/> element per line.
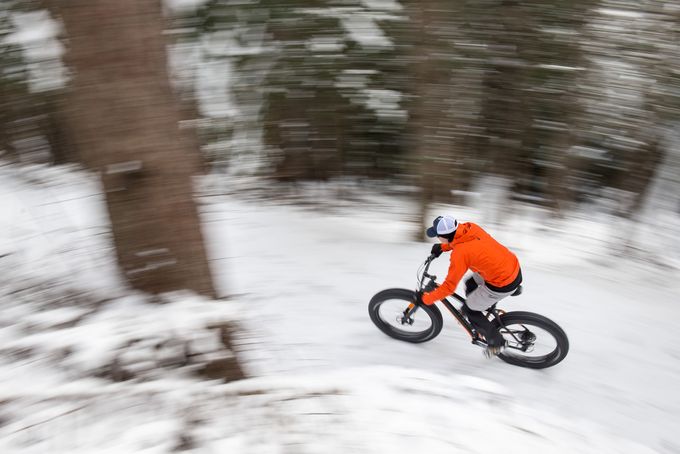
<point x="428" y="262"/>
<point x="425" y="274"/>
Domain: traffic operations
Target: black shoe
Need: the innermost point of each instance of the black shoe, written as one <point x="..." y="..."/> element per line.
<point x="493" y="350"/>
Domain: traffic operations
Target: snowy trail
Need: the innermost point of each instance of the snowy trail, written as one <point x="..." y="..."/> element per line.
<point x="308" y="275"/>
<point x="325" y="379"/>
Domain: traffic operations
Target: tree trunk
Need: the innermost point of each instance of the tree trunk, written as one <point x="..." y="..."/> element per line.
<point x="124" y="119"/>
<point x="429" y="123"/>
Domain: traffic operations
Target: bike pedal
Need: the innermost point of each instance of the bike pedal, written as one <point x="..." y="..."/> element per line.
<point x="492" y="352"/>
<point x="479" y="342"/>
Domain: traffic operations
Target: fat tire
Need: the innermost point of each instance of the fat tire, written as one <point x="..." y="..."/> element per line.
<point x="408" y="296"/>
<point x="530" y="318"/>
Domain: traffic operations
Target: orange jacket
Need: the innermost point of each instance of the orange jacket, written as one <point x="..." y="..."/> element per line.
<point x="475" y="249"/>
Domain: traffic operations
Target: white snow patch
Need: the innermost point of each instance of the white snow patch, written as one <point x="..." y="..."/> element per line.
<point x="183" y="6"/>
<point x="621" y="13"/>
<point x="33" y="28"/>
<point x="325" y="44"/>
<point x="37" y="34"/>
<point x="561" y="68"/>
<point x="215" y="97"/>
<point x="363" y="29"/>
<point x="383" y="5"/>
<point x="55" y="224"/>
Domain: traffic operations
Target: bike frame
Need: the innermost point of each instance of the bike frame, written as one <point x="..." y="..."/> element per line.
<point x="472" y="332"/>
<point x="431" y="285"/>
<point x="457" y="314"/>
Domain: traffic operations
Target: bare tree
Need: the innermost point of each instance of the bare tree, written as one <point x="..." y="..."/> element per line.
<point x="124" y="120"/>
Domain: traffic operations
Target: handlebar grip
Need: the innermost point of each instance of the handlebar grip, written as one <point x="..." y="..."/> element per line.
<point x="430" y="286"/>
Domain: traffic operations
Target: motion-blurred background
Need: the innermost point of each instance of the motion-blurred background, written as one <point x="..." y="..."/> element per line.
<point x="286" y="155"/>
<point x="572" y="106"/>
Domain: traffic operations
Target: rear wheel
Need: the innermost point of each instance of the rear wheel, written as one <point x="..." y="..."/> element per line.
<point x="534" y="341"/>
<point x="387" y="310"/>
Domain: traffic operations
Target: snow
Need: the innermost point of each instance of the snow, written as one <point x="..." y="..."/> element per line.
<point x="323" y="44"/>
<point x="385" y="103"/>
<point x="33" y="28"/>
<point x="183" y="6"/>
<point x="326" y="265"/>
<point x="560" y="67"/>
<point x="363" y="29"/>
<point x="37" y="35"/>
<point x="361" y="25"/>
<point x="213" y="80"/>
<point x="621" y="13"/>
<point x="55" y="224"/>
<point x="385" y="5"/>
<point x="323" y="378"/>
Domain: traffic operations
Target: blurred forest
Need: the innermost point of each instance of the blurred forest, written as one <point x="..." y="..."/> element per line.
<point x="572" y="106"/>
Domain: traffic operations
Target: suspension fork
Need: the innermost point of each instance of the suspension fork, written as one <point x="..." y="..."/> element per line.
<point x="408" y="312"/>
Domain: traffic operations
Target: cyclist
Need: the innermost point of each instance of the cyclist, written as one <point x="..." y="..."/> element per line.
<point x="496" y="273"/>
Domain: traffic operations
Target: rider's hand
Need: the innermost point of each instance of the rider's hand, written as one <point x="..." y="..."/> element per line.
<point x="430" y="286"/>
<point x="419" y="299"/>
<point x="436" y="250"/>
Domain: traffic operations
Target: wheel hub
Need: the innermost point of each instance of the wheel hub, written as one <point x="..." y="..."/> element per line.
<point x="404" y="320"/>
<point x="527" y="337"/>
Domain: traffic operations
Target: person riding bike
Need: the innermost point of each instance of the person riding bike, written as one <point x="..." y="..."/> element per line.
<point x="496" y="273"/>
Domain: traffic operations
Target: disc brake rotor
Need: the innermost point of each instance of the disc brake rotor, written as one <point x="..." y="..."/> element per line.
<point x="528" y="337"/>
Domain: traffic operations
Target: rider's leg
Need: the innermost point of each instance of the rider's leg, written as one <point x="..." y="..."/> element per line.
<point x="480" y="300"/>
<point x="485" y="327"/>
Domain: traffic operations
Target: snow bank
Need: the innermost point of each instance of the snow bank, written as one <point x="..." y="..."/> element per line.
<point x="368" y="410"/>
<point x="55" y="227"/>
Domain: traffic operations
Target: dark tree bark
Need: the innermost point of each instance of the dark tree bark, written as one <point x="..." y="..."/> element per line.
<point x="435" y="148"/>
<point x="124" y="120"/>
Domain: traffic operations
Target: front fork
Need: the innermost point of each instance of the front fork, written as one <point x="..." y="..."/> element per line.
<point x="408" y="312"/>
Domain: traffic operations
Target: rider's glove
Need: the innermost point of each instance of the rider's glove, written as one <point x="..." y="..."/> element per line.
<point x="419" y="299"/>
<point x="430" y="286"/>
<point x="436" y="250"/>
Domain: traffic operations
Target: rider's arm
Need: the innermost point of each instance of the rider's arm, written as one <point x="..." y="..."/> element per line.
<point x="446" y="247"/>
<point x="457" y="269"/>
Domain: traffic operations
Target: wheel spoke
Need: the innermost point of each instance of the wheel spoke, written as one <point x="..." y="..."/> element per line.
<point x="530" y="343"/>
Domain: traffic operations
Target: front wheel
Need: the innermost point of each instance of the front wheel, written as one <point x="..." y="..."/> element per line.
<point x="534" y="341"/>
<point x="387" y="311"/>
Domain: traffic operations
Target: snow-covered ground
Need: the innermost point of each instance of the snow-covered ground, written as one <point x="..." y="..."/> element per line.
<point x="324" y="379"/>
